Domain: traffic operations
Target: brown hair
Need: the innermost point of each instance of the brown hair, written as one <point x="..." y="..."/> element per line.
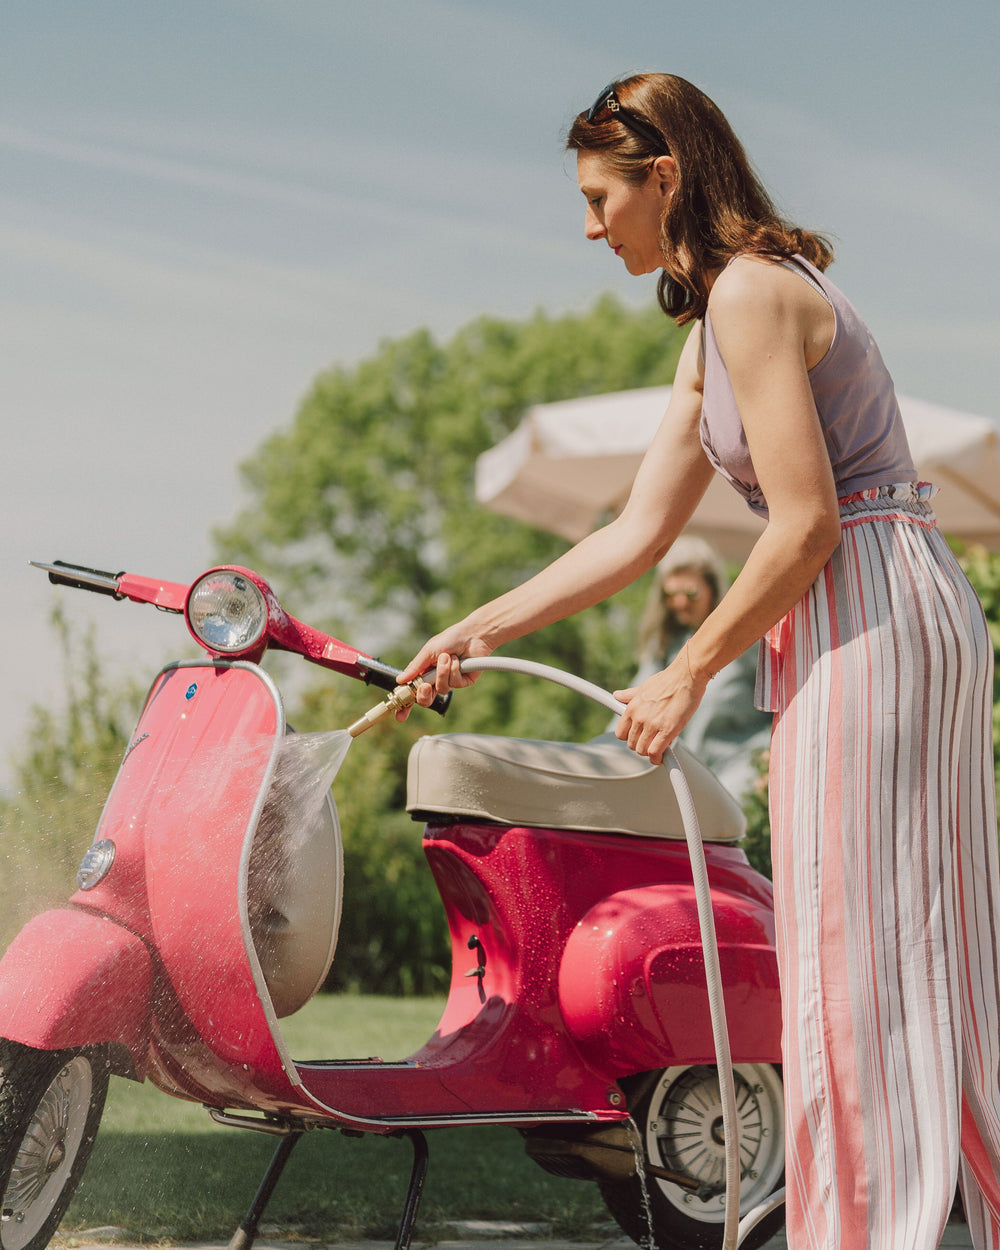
<point x="657" y="627"/>
<point x="719" y="209"/>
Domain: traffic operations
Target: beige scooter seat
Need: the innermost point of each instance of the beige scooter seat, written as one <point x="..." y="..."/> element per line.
<point x="599" y="786"/>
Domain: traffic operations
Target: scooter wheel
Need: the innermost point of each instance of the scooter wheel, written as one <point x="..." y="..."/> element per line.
<point x="50" y="1108"/>
<point x="679" y="1118"/>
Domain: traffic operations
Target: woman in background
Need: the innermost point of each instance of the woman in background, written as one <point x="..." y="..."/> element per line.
<point x="726" y="732"/>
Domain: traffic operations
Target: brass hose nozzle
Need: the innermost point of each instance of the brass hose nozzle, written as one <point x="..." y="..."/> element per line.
<point x="401" y="697"/>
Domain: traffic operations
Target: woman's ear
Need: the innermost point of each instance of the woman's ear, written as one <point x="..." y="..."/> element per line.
<point x="664" y="169"/>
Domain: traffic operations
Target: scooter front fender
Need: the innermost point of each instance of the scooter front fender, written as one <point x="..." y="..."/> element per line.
<point x="72" y="978"/>
<point x="632" y="986"/>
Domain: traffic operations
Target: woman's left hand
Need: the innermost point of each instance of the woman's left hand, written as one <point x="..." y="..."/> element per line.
<point x="658" y="710"/>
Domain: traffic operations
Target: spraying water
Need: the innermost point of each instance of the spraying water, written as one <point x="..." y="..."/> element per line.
<point x="635" y="1138"/>
<point x="296" y="870"/>
<point x="306" y="767"/>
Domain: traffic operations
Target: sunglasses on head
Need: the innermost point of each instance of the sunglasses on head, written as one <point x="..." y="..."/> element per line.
<point x="608" y="103"/>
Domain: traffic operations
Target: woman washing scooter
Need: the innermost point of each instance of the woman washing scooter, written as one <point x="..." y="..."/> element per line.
<point x="876" y="661"/>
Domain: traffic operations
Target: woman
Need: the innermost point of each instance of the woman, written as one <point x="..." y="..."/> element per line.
<point x="727" y="731"/>
<point x="876" y="662"/>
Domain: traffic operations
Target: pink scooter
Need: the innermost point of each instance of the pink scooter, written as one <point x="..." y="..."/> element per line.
<point x="208" y="908"/>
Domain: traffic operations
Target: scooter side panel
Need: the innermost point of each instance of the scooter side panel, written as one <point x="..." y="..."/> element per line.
<point x="577" y="961"/>
<point x="71" y="978"/>
<point x="500" y="1049"/>
<point x="632" y="982"/>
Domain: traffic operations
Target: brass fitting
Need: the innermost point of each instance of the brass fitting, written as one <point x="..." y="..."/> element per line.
<point x="401" y="697"/>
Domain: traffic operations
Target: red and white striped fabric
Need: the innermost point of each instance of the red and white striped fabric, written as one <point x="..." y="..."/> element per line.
<point x="884" y="845"/>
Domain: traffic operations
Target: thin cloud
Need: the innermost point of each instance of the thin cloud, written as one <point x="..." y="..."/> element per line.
<point x="476" y="213"/>
<point x="203" y="177"/>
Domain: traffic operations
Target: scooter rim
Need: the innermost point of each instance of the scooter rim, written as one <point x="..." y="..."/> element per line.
<point x="49" y="1149"/>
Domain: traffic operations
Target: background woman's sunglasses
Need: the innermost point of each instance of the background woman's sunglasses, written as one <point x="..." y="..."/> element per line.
<point x="608" y="102"/>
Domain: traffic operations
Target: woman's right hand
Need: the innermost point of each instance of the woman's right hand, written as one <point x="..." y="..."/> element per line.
<point x="438" y="660"/>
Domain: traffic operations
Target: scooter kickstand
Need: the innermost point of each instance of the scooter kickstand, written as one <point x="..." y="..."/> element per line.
<point x="244" y="1236"/>
<point x="418" y="1173"/>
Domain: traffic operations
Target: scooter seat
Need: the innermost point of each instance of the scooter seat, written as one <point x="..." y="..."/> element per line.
<point x="599" y="786"/>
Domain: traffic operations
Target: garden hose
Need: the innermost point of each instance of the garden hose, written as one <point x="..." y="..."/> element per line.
<point x="734" y="1229"/>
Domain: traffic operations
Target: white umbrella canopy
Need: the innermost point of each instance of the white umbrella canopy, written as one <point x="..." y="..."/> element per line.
<point x="569" y="464"/>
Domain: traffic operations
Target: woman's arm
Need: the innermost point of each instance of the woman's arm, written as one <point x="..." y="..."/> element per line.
<point x="671" y="480"/>
<point x="767" y="323"/>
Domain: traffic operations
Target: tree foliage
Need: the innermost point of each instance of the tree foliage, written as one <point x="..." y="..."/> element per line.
<point x="61" y="778"/>
<point x="362" y="513"/>
<point x="364" y="507"/>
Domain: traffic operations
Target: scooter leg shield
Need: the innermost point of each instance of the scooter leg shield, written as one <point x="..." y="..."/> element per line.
<point x="70" y="979"/>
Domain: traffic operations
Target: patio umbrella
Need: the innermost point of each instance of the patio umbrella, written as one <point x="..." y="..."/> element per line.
<point x="569" y="465"/>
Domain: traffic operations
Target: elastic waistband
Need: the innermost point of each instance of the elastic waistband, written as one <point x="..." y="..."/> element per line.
<point x="902" y="501"/>
<point x="907" y="503"/>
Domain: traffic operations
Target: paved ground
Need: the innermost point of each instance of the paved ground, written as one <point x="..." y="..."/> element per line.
<point x="956" y="1236"/>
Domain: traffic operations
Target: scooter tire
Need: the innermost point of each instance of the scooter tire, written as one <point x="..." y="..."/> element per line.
<point x="50" y="1109"/>
<point x="678" y="1115"/>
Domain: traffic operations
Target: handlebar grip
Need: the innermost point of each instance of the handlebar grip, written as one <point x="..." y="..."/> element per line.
<point x="386" y="677"/>
<point x="100" y="581"/>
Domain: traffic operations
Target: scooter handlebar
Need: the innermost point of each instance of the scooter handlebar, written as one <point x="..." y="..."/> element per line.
<point x="81" y="578"/>
<point x="386" y="677"/>
<point x="168" y="596"/>
<point x="171" y="597"/>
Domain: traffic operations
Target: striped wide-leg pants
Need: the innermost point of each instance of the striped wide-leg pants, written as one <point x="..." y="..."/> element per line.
<point x="884" y="845"/>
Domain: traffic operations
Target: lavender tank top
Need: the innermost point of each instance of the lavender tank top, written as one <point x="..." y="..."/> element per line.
<point x="854" y="397"/>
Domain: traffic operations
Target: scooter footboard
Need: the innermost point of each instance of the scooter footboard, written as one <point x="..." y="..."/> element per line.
<point x="71" y="978"/>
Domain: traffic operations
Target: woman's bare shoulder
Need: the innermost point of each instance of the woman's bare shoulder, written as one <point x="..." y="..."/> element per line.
<point x="754" y="293"/>
<point x="753" y="280"/>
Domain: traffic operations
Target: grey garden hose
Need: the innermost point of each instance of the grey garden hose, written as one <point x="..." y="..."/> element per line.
<point x="734" y="1229"/>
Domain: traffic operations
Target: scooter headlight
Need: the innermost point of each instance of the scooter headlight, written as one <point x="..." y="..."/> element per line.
<point x="227" y="612"/>
<point x="96" y="864"/>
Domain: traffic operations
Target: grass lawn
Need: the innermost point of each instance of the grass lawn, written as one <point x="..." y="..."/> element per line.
<point x="164" y="1171"/>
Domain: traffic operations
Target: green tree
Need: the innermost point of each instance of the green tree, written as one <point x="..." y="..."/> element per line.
<point x="61" y="777"/>
<point x="364" y="510"/>
<point x="363" y="514"/>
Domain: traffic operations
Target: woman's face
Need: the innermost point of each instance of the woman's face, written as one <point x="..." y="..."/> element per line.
<point x="626" y="214"/>
<point x="688" y="597"/>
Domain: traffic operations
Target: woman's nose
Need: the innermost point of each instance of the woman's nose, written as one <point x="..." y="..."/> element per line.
<point x="593" y="228"/>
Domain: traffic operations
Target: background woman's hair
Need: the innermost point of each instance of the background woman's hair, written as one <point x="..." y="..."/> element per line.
<point x="719" y="209"/>
<point x="689" y="554"/>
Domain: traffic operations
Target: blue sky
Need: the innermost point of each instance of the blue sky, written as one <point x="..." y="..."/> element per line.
<point x="206" y="202"/>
